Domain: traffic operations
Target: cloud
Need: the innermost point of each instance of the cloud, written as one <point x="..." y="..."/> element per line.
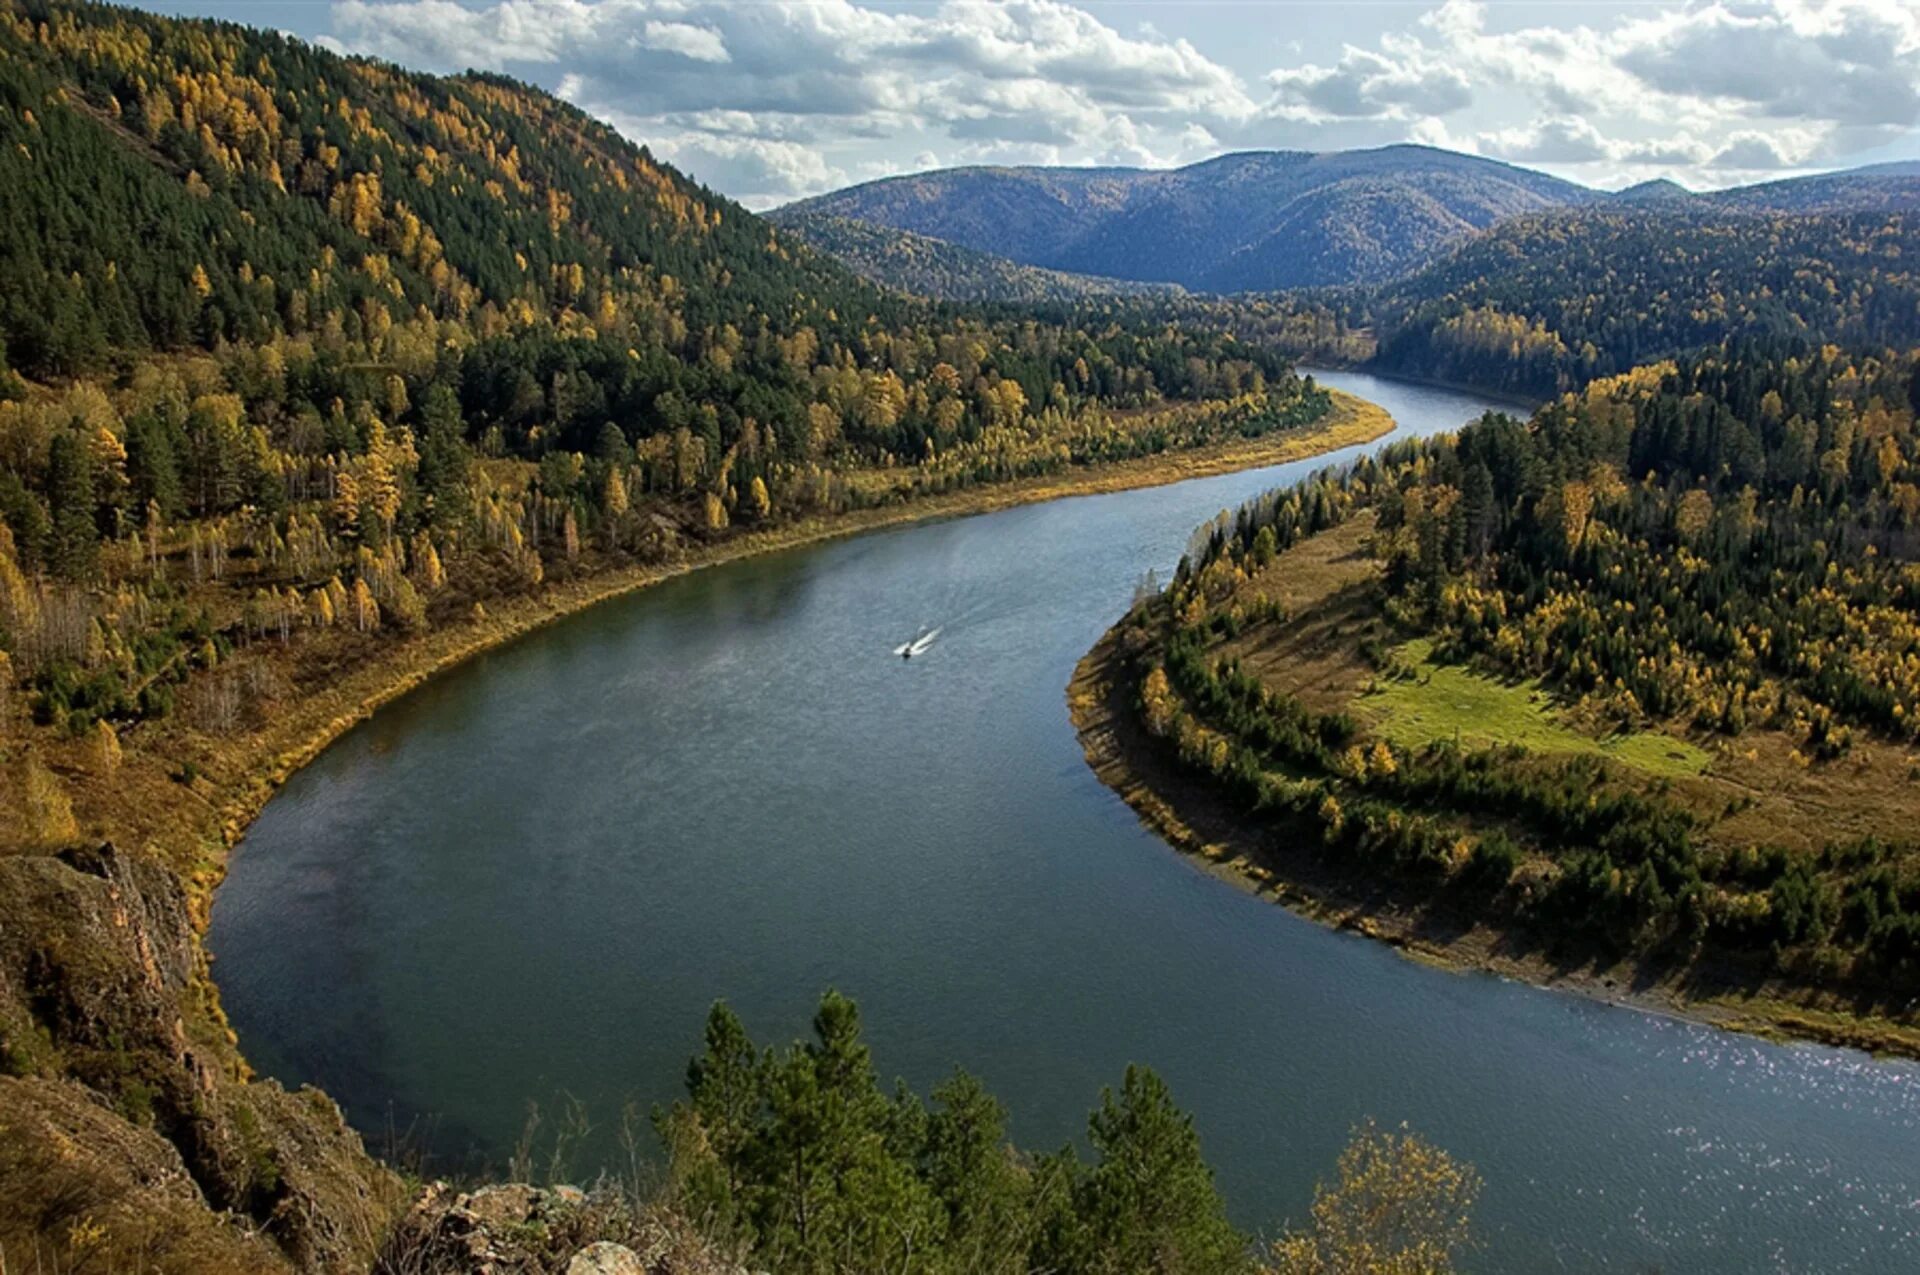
<point x="1839" y="63"/>
<point x="1556" y="141"/>
<point x="1751" y="152"/>
<point x="1369" y="84"/>
<point x="779" y="98"/>
<point x="1737" y="88"/>
<point x="702" y="44"/>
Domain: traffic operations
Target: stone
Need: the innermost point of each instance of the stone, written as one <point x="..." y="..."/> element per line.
<point x="606" y="1258"/>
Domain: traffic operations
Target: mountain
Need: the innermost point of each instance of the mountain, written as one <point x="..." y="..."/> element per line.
<point x="931" y="267"/>
<point x="1659" y="191"/>
<point x="1249" y="221"/>
<point x="1255" y="221"/>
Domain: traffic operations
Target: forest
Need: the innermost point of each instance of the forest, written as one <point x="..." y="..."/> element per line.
<point x="1545" y="303"/>
<point x="1718" y="547"/>
<point x="294" y="343"/>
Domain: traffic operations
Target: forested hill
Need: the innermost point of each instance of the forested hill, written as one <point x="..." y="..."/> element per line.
<point x="167" y="183"/>
<point x="1639" y="678"/>
<point x="1546" y="303"/>
<point x="1253" y="221"/>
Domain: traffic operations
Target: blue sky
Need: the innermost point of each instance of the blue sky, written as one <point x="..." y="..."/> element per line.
<point x="769" y="100"/>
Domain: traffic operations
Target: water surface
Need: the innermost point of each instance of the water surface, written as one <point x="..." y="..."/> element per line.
<point x="537" y="872"/>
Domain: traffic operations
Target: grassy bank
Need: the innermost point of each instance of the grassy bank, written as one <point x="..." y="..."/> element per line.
<point x="1326" y="653"/>
<point x="1195" y="819"/>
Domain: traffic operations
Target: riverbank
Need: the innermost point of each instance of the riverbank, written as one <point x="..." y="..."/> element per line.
<point x="1192" y="816"/>
<point x="302" y="733"/>
<point x="175" y="793"/>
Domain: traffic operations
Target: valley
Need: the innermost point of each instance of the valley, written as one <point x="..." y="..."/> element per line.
<point x="480" y="599"/>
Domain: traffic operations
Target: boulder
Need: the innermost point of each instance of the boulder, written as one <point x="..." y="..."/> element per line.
<point x="606" y="1258"/>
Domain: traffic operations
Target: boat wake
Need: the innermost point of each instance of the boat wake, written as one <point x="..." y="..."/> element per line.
<point x="907" y="650"/>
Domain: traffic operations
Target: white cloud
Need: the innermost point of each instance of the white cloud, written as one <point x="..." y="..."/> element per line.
<point x="1565" y="140"/>
<point x="778" y="98"/>
<point x="1370" y="84"/>
<point x="1736" y="88"/>
<point x="702" y="44"/>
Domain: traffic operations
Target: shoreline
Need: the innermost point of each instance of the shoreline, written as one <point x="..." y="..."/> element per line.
<point x="1182" y="811"/>
<point x="317" y="721"/>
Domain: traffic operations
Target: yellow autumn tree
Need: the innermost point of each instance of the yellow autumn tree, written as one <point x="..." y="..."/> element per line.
<point x="320" y="609"/>
<point x="106" y="747"/>
<point x="1332" y="817"/>
<point x="613" y="499"/>
<point x="50" y="821"/>
<point x="1398" y="1205"/>
<point x="1693" y="515"/>
<point x="366" y="612"/>
<point x="1156" y="700"/>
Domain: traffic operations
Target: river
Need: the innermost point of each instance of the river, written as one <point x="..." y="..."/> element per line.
<point x="534" y="875"/>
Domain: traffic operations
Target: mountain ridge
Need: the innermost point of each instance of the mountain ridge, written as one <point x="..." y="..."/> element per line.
<point x="1278" y="220"/>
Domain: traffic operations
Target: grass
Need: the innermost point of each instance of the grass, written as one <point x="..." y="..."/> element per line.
<point x="1451" y="701"/>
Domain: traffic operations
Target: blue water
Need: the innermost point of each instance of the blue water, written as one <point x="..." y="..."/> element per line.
<point x="536" y="873"/>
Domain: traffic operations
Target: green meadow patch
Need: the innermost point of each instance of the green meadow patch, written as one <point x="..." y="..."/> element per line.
<point x="1451" y="701"/>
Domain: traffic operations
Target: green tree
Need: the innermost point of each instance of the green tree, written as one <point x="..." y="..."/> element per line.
<point x="1149" y="1204"/>
<point x="153" y="467"/>
<point x="977" y="1177"/>
<point x="75" y="539"/>
<point x="444" y="459"/>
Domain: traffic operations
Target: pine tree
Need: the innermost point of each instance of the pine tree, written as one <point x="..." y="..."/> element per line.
<point x="75" y="538"/>
<point x="1150" y="1203"/>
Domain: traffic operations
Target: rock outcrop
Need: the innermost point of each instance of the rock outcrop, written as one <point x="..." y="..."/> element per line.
<point x="112" y="1039"/>
<point x="516" y="1229"/>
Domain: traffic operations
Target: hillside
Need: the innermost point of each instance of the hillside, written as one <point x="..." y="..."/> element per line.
<point x="169" y="184"/>
<point x="1629" y="688"/>
<point x="1252" y="221"/>
<point x="1875" y="188"/>
<point x="930" y="267"/>
<point x="1545" y="303"/>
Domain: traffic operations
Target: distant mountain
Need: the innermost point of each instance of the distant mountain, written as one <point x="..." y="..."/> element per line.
<point x="1254" y="221"/>
<point x="1659" y="191"/>
<point x="1250" y="221"/>
<point x="931" y="267"/>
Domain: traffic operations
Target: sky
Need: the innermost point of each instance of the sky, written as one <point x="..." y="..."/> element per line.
<point x="772" y="100"/>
